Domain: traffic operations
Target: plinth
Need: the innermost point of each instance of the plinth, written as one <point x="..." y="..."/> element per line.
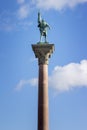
<point x="43" y="53"/>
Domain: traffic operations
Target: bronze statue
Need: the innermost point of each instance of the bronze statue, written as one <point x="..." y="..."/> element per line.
<point x="43" y="26"/>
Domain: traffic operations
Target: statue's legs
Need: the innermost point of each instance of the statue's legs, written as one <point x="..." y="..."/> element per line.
<point x="40" y="38"/>
<point x="45" y="39"/>
<point x="43" y="36"/>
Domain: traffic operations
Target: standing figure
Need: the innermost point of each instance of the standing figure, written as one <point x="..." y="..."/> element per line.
<point x="43" y="26"/>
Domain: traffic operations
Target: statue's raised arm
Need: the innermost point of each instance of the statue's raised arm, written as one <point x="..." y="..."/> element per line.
<point x="43" y="26"/>
<point x="39" y="17"/>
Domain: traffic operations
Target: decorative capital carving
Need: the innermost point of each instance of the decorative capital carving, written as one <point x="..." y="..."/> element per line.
<point x="43" y="52"/>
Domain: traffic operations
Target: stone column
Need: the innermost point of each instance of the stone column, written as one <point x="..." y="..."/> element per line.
<point x="43" y="52"/>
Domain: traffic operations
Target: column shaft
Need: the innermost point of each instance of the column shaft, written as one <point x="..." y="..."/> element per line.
<point x="43" y="97"/>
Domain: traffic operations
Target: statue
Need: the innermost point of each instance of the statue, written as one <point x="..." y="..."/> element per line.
<point x="43" y="26"/>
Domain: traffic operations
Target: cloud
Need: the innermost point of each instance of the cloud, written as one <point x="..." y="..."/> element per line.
<point x="16" y="20"/>
<point x="63" y="78"/>
<point x="20" y="1"/>
<point x="25" y="24"/>
<point x="57" y="4"/>
<point x="7" y="27"/>
<point x="23" y="11"/>
<point x="69" y="76"/>
<point x="9" y="22"/>
<point x="23" y="83"/>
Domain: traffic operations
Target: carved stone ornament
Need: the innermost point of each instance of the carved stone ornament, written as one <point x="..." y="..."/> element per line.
<point x="43" y="52"/>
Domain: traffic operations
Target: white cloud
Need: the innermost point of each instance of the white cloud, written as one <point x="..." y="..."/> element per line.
<point x="9" y="22"/>
<point x="7" y="27"/>
<point x="23" y="83"/>
<point x="23" y="11"/>
<point x="57" y="4"/>
<point x="25" y="24"/>
<point x="20" y="1"/>
<point x="14" y="21"/>
<point x="69" y="76"/>
<point x="63" y="78"/>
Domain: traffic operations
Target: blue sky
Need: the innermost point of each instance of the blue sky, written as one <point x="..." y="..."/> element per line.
<point x="67" y="66"/>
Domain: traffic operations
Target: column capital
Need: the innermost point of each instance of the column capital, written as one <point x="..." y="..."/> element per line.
<point x="43" y="52"/>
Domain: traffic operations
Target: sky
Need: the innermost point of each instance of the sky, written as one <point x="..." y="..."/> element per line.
<point x="67" y="65"/>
